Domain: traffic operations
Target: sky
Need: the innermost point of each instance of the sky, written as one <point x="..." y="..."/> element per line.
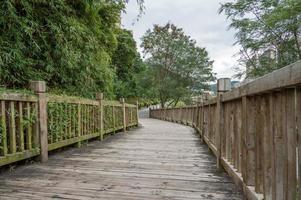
<point x="199" y="19"/>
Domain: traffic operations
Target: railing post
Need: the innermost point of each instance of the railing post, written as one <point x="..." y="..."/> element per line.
<point x="123" y="114"/>
<point x="39" y="87"/>
<point x="99" y="98"/>
<point x="223" y="85"/>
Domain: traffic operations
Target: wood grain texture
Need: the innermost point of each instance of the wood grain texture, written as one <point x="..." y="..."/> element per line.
<point x="159" y="160"/>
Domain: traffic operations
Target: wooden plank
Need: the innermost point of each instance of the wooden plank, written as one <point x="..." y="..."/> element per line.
<point x="239" y="135"/>
<point x="280" y="146"/>
<point x="268" y="147"/>
<point x="3" y="128"/>
<point x="113" y="116"/>
<point x="259" y="129"/>
<point x="79" y="124"/>
<point x="298" y="127"/>
<point x="12" y="128"/>
<point x="231" y="134"/>
<point x="244" y="112"/>
<point x="112" y="103"/>
<point x="123" y="115"/>
<point x="236" y="135"/>
<point x="88" y="119"/>
<point x="291" y="192"/>
<point x="36" y="131"/>
<point x="28" y="127"/>
<point x="209" y="132"/>
<point x="70" y="100"/>
<point x="59" y="116"/>
<point x="20" y="127"/>
<point x="11" y="158"/>
<point x="224" y="133"/>
<point x="250" y="142"/>
<point x="85" y="107"/>
<point x="101" y="117"/>
<point x="219" y="129"/>
<point x="228" y="132"/>
<point x="18" y="97"/>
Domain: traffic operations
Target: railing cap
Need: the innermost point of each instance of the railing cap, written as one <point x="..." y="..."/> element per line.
<point x="223" y="84"/>
<point x="99" y="96"/>
<point x="38" y="86"/>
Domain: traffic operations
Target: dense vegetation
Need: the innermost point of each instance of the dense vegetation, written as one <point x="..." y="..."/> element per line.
<point x="269" y="32"/>
<point x="76" y="46"/>
<point x="177" y="68"/>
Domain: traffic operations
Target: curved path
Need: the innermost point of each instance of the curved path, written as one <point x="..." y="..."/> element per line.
<point x="159" y="160"/>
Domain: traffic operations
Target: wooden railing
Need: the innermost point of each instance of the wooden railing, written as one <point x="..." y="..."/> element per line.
<point x="255" y="133"/>
<point x="33" y="124"/>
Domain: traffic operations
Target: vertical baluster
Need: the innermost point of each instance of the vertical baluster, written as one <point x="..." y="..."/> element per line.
<point x="259" y="128"/>
<point x="298" y="128"/>
<point x="100" y="120"/>
<point x="3" y="128"/>
<point x="268" y="148"/>
<point x="29" y="127"/>
<point x="84" y="119"/>
<point x="50" y="125"/>
<point x="20" y="126"/>
<point x="88" y="119"/>
<point x="70" y="122"/>
<point x="113" y="118"/>
<point x="250" y="140"/>
<point x="12" y="128"/>
<point x="291" y="133"/>
<point x="36" y="136"/>
<point x="79" y="124"/>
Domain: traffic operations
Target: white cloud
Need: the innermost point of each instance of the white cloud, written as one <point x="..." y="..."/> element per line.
<point x="198" y="18"/>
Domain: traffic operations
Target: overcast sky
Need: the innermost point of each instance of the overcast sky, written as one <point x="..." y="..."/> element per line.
<point x="198" y="18"/>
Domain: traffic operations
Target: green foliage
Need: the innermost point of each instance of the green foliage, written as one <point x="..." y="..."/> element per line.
<point x="177" y="66"/>
<point x="128" y="65"/>
<point x="268" y="31"/>
<point x="69" y="44"/>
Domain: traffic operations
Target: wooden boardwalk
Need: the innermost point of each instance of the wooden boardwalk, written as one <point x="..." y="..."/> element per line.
<point x="159" y="160"/>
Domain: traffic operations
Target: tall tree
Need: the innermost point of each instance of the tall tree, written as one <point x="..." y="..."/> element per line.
<point x="177" y="66"/>
<point x="67" y="43"/>
<point x="268" y="31"/>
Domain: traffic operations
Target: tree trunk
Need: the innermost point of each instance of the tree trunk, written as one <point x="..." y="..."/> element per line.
<point x="162" y="104"/>
<point x="297" y="43"/>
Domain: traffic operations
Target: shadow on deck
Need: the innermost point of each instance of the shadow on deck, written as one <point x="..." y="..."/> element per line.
<point x="159" y="160"/>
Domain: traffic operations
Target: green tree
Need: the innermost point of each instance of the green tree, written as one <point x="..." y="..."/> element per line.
<point x="69" y="44"/>
<point x="268" y="31"/>
<point x="128" y="64"/>
<point x="177" y="66"/>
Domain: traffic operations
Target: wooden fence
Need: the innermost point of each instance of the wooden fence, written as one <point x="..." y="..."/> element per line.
<point x="33" y="124"/>
<point x="255" y="133"/>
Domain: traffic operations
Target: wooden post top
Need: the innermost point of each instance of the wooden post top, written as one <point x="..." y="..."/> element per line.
<point x="38" y="86"/>
<point x="121" y="100"/>
<point x="205" y="96"/>
<point x="99" y="96"/>
<point x="223" y="84"/>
